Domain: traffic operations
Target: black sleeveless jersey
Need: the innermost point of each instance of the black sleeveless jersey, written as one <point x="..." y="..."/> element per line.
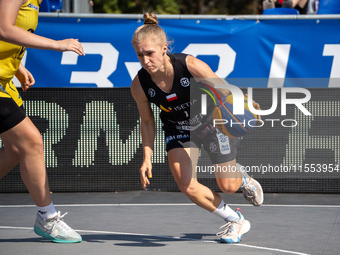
<point x="181" y="107"/>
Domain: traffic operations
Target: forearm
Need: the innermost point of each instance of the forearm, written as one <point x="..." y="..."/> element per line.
<point x="21" y="37"/>
<point x="148" y="138"/>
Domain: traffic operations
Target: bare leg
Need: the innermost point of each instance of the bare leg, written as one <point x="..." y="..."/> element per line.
<point x="27" y="139"/>
<point x="9" y="158"/>
<point x="183" y="162"/>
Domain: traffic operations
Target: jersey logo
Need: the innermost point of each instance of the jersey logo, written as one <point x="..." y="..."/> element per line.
<point x="152" y="92"/>
<point x="165" y="109"/>
<point x="32" y="6"/>
<point x="223" y="141"/>
<point x="171" y="97"/>
<point x="212" y="147"/>
<point x="185" y="82"/>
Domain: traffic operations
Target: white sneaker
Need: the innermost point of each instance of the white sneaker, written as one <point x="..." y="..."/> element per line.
<point x="56" y="230"/>
<point x="234" y="230"/>
<point x="252" y="190"/>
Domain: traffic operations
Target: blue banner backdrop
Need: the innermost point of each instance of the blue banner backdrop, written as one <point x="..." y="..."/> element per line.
<point x="247" y="52"/>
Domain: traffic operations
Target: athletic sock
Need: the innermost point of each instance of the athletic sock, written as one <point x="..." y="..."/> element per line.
<point x="244" y="177"/>
<point x="225" y="212"/>
<point x="47" y="211"/>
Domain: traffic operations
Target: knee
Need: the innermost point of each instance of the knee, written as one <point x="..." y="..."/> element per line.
<point x="33" y="142"/>
<point x="36" y="139"/>
<point x="38" y="144"/>
<point x="230" y="186"/>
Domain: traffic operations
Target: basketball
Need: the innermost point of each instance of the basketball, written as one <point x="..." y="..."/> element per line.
<point x="233" y="125"/>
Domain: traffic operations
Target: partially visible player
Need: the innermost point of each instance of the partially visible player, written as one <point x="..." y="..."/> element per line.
<point x="165" y="81"/>
<point x="21" y="139"/>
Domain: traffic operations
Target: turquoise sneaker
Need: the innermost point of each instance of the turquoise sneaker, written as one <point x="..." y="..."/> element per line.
<point x="56" y="230"/>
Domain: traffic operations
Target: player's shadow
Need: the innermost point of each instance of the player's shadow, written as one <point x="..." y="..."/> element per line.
<point x="143" y="241"/>
<point x="124" y="240"/>
<point x="25" y="240"/>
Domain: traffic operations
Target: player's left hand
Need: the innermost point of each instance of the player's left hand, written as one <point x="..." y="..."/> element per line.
<point x="145" y="173"/>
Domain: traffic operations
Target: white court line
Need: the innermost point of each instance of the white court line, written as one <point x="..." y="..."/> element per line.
<point x="168" y="237"/>
<point x="270" y="249"/>
<point x="165" y="204"/>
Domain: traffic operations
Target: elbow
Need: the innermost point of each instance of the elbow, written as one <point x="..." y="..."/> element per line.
<point x="149" y="120"/>
<point x="148" y="123"/>
<point x="4" y="32"/>
<point x="148" y="126"/>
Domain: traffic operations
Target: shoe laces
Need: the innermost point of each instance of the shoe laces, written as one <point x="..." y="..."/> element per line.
<point x="249" y="189"/>
<point x="228" y="227"/>
<point x="58" y="220"/>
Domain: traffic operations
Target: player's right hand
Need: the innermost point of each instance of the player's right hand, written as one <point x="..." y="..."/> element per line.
<point x="25" y="78"/>
<point x="70" y="45"/>
<point x="145" y="173"/>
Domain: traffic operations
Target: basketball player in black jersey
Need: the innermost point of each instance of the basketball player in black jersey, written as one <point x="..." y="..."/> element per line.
<point x="167" y="80"/>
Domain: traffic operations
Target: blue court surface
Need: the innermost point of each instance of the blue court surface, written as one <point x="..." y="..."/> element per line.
<point x="154" y="222"/>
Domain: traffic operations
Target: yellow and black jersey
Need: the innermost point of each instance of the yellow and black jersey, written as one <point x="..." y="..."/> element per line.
<point x="11" y="54"/>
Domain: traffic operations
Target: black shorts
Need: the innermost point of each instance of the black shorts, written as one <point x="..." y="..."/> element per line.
<point x="10" y="114"/>
<point x="219" y="147"/>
